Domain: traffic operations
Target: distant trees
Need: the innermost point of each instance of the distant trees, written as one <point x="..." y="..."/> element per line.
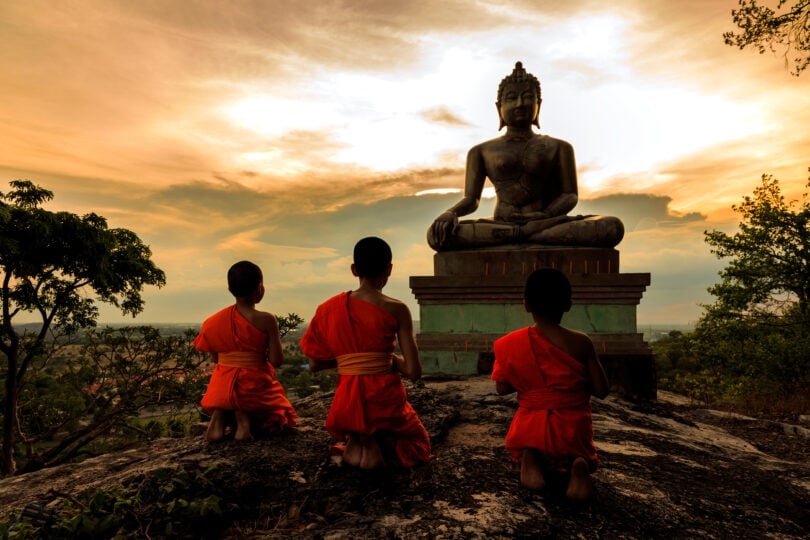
<point x="764" y="28"/>
<point x="98" y="391"/>
<point x="757" y="332"/>
<point x="50" y="263"/>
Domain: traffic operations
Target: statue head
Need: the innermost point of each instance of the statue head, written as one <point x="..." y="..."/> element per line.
<point x="519" y="78"/>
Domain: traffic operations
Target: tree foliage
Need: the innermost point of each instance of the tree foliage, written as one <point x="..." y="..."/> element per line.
<point x="768" y="276"/>
<point x="765" y="29"/>
<point x="115" y="374"/>
<point x="50" y="264"/>
<point x="288" y="323"/>
<point x="758" y="328"/>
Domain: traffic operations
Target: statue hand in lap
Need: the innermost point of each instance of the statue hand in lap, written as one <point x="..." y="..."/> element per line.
<point x="535" y="182"/>
<point x="445" y="226"/>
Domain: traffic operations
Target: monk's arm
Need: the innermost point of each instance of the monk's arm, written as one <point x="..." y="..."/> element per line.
<point x="408" y="364"/>
<point x="596" y="374"/>
<point x="312" y="346"/>
<point x="504" y="388"/>
<point x="274" y="351"/>
<point x="320" y="365"/>
<point x="214" y="357"/>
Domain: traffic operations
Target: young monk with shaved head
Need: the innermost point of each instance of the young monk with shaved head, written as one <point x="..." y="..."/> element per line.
<point x="555" y="371"/>
<point x="356" y="332"/>
<point x="245" y="344"/>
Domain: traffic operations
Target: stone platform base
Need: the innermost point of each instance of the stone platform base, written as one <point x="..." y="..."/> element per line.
<point x="475" y="297"/>
<point x="516" y="260"/>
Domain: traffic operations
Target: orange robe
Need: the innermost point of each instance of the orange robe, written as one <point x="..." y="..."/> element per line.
<point x="554" y="405"/>
<point x="250" y="388"/>
<point x="366" y="404"/>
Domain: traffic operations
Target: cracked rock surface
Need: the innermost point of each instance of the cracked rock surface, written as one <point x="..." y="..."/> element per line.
<point x="669" y="470"/>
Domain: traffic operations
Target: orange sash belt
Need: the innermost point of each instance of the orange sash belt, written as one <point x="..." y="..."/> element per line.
<point x="241" y="359"/>
<point x="365" y="363"/>
<point x="552" y="399"/>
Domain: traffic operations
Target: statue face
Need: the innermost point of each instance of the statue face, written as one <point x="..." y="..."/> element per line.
<point x="519" y="105"/>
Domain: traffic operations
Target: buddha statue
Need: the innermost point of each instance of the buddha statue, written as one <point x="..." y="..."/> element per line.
<point x="535" y="183"/>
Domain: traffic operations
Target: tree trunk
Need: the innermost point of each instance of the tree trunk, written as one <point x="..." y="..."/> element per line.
<point x="7" y="465"/>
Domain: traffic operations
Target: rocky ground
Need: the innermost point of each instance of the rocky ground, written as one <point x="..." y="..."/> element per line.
<point x="669" y="470"/>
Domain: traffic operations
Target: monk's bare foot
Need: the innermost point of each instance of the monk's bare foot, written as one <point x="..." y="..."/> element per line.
<point x="580" y="485"/>
<point x="353" y="453"/>
<point x="216" y="426"/>
<point x="372" y="455"/>
<point x="243" y="433"/>
<point x="531" y="474"/>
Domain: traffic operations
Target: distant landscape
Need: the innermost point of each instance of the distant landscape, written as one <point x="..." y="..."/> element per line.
<point x="652" y="332"/>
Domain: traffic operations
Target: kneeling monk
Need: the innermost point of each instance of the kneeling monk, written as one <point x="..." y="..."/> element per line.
<point x="246" y="345"/>
<point x="355" y="331"/>
<point x="554" y="370"/>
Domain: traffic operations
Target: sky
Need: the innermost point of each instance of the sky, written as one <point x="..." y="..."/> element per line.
<point x="282" y="132"/>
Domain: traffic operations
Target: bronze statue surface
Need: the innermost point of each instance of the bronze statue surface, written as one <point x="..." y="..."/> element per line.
<point x="535" y="182"/>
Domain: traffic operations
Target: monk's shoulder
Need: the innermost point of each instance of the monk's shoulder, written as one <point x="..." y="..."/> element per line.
<point x="397" y="308"/>
<point x="578" y="343"/>
<point x="265" y="321"/>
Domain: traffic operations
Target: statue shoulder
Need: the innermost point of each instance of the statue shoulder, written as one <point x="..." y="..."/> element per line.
<point x="484" y="146"/>
<point x="480" y="152"/>
<point x="553" y="141"/>
<point x="560" y="149"/>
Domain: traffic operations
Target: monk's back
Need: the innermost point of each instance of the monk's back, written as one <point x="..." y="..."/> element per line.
<point x="385" y="303"/>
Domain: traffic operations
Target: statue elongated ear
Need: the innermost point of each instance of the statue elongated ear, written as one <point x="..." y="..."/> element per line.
<point x="500" y="116"/>
<point x="536" y="116"/>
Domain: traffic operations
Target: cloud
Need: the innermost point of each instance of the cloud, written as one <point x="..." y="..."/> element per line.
<point x="639" y="211"/>
<point x="265" y="131"/>
<point x="681" y="268"/>
<point x="442" y="115"/>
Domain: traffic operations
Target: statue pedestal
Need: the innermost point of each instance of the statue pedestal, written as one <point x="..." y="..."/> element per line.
<point x="476" y="296"/>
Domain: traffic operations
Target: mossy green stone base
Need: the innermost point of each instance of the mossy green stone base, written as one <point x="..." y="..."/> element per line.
<point x="450" y="362"/>
<point x="476" y="297"/>
<point x="504" y="318"/>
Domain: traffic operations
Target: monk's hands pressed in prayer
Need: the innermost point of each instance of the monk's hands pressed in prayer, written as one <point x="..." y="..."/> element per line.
<point x="446" y="224"/>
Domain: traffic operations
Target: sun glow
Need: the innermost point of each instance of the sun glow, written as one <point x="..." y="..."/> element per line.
<point x="268" y="115"/>
<point x="438" y="191"/>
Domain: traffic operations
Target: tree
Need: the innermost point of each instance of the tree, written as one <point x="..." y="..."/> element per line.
<point x="769" y="274"/>
<point x="763" y="28"/>
<point x="759" y="325"/>
<point x="118" y="373"/>
<point x="51" y="262"/>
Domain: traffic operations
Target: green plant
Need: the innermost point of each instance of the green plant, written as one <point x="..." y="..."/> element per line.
<point x="168" y="504"/>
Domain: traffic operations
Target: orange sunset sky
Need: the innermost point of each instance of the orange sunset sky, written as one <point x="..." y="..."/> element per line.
<point x="282" y="132"/>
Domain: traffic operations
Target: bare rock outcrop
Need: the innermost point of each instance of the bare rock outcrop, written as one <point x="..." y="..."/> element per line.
<point x="668" y="471"/>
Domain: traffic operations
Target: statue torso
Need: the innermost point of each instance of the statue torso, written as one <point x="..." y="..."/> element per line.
<point x="525" y="172"/>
